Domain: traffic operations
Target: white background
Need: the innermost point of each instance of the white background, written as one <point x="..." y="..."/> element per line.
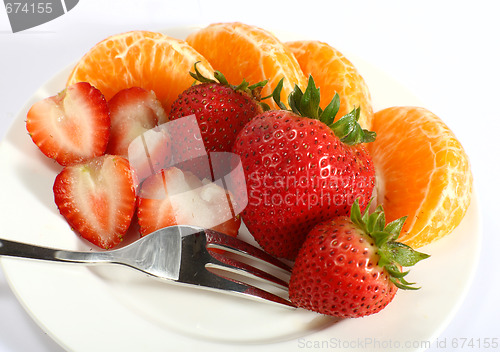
<point x="446" y="52"/>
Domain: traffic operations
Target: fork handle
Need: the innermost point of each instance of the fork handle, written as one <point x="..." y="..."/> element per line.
<point x="23" y="250"/>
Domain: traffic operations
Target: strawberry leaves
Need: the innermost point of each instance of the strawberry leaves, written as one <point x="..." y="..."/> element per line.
<point x="349" y="131"/>
<point x="331" y="110"/>
<point x="253" y="90"/>
<point x="393" y="254"/>
<point x="306" y="104"/>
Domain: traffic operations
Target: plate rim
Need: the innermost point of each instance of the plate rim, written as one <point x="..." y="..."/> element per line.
<point x="4" y="262"/>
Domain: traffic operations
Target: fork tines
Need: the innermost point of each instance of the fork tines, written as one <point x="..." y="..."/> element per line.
<point x="246" y="265"/>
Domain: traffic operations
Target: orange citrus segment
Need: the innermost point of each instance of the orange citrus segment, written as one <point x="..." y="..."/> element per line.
<point x="422" y="172"/>
<point x="144" y="59"/>
<point x="247" y="52"/>
<point x="334" y="73"/>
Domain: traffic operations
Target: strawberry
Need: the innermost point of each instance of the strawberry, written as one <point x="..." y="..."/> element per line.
<point x="72" y="126"/>
<point x="132" y="112"/>
<point x="351" y="266"/>
<point x="174" y="197"/>
<point x="151" y="152"/>
<point x="97" y="198"/>
<point x="301" y="168"/>
<point x="221" y="109"/>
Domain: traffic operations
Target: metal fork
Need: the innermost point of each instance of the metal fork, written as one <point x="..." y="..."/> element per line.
<point x="186" y="255"/>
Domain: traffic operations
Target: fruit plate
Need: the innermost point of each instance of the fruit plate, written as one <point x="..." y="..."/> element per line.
<point x="102" y="308"/>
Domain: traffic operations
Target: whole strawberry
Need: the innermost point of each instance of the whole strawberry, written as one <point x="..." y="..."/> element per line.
<point x="221" y="109"/>
<point x="302" y="168"/>
<point x="351" y="267"/>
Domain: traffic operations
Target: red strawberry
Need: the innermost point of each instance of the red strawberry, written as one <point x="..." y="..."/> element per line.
<point x="220" y="108"/>
<point x="132" y="111"/>
<point x="301" y="168"/>
<point x="71" y="127"/>
<point x="173" y="197"/>
<point x="351" y="267"/>
<point x="97" y="198"/>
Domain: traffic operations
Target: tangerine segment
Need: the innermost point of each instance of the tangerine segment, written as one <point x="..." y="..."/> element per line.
<point x="247" y="52"/>
<point x="150" y="60"/>
<point x="422" y="172"/>
<point x="334" y="73"/>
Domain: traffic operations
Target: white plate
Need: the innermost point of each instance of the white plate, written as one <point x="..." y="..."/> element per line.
<point x="98" y="309"/>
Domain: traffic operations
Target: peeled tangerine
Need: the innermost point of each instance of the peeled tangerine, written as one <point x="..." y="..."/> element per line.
<point x="334" y="73"/>
<point x="140" y="59"/>
<point x="242" y="51"/>
<point x="422" y="172"/>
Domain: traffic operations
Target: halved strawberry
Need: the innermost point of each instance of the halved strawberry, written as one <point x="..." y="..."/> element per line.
<point x="151" y="152"/>
<point x="72" y="126"/>
<point x="133" y="111"/>
<point x="97" y="198"/>
<point x="175" y="197"/>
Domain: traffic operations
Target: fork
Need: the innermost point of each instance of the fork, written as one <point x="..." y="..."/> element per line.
<point x="188" y="255"/>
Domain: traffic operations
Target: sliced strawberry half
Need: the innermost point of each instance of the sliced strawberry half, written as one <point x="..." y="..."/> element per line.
<point x="97" y="198"/>
<point x="133" y="111"/>
<point x="72" y="126"/>
<point x="151" y="153"/>
<point x="175" y="197"/>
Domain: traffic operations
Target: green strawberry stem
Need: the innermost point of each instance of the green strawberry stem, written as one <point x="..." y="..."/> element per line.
<point x="253" y="90"/>
<point x="393" y="254"/>
<point x="306" y="104"/>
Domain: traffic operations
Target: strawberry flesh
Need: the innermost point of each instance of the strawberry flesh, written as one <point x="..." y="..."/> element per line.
<point x="133" y="111"/>
<point x="174" y="197"/>
<point x="97" y="199"/>
<point x="71" y="127"/>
